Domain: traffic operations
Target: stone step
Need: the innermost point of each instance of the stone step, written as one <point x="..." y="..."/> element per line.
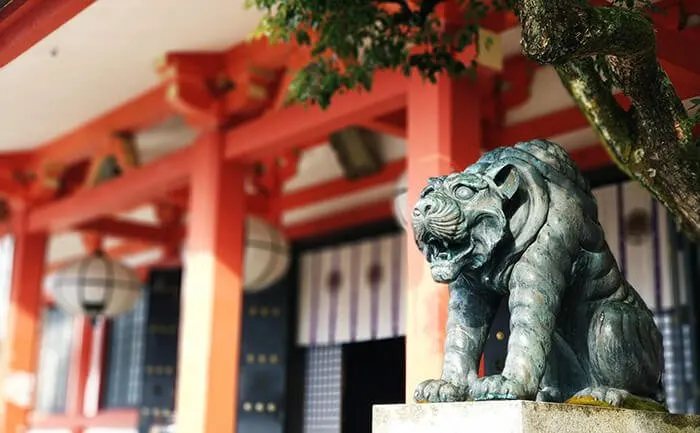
<point x="524" y="417"/>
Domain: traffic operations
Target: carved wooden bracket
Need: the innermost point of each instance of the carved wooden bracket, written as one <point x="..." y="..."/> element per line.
<point x="118" y="156"/>
<point x="202" y="86"/>
<point x="195" y="81"/>
<point x="268" y="178"/>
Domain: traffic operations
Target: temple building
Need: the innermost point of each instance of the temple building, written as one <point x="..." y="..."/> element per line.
<point x="181" y="250"/>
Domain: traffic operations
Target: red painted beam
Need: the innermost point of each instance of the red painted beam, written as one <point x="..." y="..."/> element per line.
<point x="123" y="249"/>
<point x="549" y="125"/>
<point x="140" y="112"/>
<point x="126" y="192"/>
<point x="30" y="21"/>
<point x="691" y="7"/>
<point x="128" y="230"/>
<point x="15" y="160"/>
<point x="278" y="131"/>
<point x="385" y="127"/>
<point x="591" y="158"/>
<point x="686" y="83"/>
<point x="673" y="46"/>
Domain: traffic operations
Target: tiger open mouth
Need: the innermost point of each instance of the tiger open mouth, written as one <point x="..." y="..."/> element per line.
<point x="442" y="253"/>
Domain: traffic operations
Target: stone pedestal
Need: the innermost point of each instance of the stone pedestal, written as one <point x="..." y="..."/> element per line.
<point x="524" y="417"/>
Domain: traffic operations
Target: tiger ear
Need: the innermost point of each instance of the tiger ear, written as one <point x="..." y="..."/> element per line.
<point x="507" y="181"/>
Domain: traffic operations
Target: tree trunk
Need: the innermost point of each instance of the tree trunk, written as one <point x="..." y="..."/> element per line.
<point x="653" y="141"/>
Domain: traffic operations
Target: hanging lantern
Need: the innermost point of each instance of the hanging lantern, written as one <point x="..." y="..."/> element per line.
<point x="401" y="201"/>
<point x="95" y="286"/>
<point x="266" y="255"/>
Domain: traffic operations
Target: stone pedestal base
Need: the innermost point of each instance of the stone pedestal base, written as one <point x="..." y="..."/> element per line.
<point x="524" y="417"/>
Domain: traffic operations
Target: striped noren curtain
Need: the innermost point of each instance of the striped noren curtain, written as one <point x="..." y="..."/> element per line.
<point x="353" y="292"/>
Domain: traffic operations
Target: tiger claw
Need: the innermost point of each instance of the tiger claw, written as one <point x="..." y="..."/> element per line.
<point x="439" y="391"/>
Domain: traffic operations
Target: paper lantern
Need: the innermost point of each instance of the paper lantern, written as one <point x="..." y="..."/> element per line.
<point x="266" y="255"/>
<point x="95" y="286"/>
<point x="401" y="208"/>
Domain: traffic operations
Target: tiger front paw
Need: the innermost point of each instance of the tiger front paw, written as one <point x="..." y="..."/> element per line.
<point x="439" y="391"/>
<point x="497" y="387"/>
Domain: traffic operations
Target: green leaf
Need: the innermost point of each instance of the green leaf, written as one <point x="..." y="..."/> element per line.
<point x="347" y="28"/>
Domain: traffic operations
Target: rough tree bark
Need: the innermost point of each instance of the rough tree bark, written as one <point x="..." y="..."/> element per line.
<point x="653" y="141"/>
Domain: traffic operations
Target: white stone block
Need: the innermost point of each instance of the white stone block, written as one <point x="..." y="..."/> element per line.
<point x="524" y="417"/>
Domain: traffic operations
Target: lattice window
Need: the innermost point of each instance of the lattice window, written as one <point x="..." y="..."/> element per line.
<point x="323" y="390"/>
<point x="124" y="362"/>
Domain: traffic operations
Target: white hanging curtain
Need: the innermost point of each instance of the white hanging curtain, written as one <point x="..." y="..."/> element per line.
<point x="636" y="228"/>
<point x="7" y="247"/>
<point x="353" y="292"/>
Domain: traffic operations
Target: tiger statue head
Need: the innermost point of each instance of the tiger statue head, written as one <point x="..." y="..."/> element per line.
<point x="476" y="223"/>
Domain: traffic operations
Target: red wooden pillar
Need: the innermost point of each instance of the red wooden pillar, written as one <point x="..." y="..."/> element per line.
<point x="20" y="353"/>
<point x="444" y="135"/>
<point x="212" y="294"/>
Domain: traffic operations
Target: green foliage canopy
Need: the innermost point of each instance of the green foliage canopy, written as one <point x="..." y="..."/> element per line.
<point x="352" y="39"/>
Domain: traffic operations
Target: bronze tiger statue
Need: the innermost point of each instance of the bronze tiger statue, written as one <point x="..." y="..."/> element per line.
<point x="522" y="223"/>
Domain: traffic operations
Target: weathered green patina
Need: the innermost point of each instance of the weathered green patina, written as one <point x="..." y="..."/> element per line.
<point x="522" y="224"/>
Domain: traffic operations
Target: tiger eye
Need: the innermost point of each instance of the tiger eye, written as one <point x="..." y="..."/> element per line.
<point x="463" y="192"/>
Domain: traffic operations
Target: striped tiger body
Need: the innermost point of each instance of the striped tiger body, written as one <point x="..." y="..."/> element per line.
<point x="522" y="223"/>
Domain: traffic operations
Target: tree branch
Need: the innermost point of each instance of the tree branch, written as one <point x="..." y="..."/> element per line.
<point x="595" y="100"/>
<point x="653" y="142"/>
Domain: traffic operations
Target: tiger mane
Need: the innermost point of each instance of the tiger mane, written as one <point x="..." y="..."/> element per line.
<point x="543" y="168"/>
